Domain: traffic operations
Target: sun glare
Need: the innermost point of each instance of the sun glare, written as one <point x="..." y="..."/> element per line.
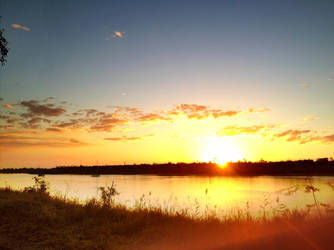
<point x="220" y="152"/>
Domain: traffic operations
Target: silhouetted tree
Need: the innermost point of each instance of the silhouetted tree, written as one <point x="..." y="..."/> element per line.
<point x="3" y="47"/>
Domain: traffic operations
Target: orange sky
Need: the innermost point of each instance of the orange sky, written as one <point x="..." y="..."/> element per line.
<point x="47" y="133"/>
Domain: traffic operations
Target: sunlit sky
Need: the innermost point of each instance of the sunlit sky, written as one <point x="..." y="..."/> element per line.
<point x="113" y="82"/>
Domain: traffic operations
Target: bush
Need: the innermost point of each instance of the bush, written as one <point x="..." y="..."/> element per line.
<point x="107" y="194"/>
<point x="40" y="186"/>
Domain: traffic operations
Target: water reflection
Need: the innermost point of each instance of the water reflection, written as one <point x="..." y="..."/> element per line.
<point x="197" y="195"/>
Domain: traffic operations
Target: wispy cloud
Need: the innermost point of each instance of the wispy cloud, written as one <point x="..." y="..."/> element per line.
<point x="115" y="34"/>
<point x="152" y="117"/>
<point x="199" y="112"/>
<point x="118" y="34"/>
<point x="54" y="129"/>
<point x="258" y="110"/>
<point x="20" y="140"/>
<point x="305" y="136"/>
<point x="19" y="26"/>
<point x="8" y="106"/>
<point x="108" y="124"/>
<point x="304" y="85"/>
<point x="310" y="118"/>
<point x="328" y="138"/>
<point x="270" y="131"/>
<point x="236" y="130"/>
<point x="295" y="135"/>
<point x="127" y="138"/>
<point x="195" y="111"/>
<point x="35" y="122"/>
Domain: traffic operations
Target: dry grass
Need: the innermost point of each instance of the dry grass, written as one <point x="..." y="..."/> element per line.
<point x="34" y="220"/>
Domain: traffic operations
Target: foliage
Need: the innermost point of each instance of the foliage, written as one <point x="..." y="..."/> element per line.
<point x="40" y="186"/>
<point x="3" y="48"/>
<point x="107" y="194"/>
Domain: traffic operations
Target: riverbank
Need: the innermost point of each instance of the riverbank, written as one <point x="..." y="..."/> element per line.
<point x="35" y="220"/>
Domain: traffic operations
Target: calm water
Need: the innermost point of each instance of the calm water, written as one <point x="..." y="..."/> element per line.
<point x="184" y="192"/>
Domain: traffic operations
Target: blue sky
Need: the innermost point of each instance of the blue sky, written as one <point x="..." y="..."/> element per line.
<point x="168" y="48"/>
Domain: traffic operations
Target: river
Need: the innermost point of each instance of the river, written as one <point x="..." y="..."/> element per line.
<point x="196" y="195"/>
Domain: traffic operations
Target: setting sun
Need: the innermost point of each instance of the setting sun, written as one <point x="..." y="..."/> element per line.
<point x="220" y="151"/>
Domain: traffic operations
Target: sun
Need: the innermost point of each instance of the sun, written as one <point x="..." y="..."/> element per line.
<point x="220" y="151"/>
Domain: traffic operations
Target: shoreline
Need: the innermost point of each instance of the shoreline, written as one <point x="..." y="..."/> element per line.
<point x="322" y="167"/>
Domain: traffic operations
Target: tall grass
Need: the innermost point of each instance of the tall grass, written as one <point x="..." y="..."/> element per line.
<point x="32" y="219"/>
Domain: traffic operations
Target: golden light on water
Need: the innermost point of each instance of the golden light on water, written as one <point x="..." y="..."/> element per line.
<point x="220" y="151"/>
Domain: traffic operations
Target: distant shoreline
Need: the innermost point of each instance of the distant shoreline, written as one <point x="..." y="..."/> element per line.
<point x="320" y="167"/>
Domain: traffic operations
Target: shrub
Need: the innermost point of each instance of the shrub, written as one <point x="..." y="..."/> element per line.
<point x="107" y="194"/>
<point x="40" y="186"/>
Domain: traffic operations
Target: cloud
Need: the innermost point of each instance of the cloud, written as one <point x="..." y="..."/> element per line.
<point x="123" y="138"/>
<point x="194" y="111"/>
<point x="290" y="135"/>
<point x="19" y="26"/>
<point x="328" y="138"/>
<point x="19" y="140"/>
<point x="8" y="106"/>
<point x="129" y="110"/>
<point x="36" y="109"/>
<point x="90" y="112"/>
<point x="3" y="117"/>
<point x="304" y="85"/>
<point x="311" y="118"/>
<point x="258" y="110"/>
<point x="50" y="115"/>
<point x="235" y="130"/>
<point x="51" y="129"/>
<point x="108" y="124"/>
<point x="292" y="132"/>
<point x="50" y="98"/>
<point x="117" y="33"/>
<point x="304" y="136"/>
<point x="54" y="117"/>
<point x="10" y="120"/>
<point x="295" y="135"/>
<point x="126" y="138"/>
<point x="152" y="117"/>
<point x="34" y="122"/>
<point x="69" y="124"/>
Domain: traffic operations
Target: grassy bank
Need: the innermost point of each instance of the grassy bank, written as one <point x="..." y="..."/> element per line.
<point x="34" y="220"/>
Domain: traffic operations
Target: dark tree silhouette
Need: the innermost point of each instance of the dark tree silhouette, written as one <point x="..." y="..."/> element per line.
<point x="3" y="47"/>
